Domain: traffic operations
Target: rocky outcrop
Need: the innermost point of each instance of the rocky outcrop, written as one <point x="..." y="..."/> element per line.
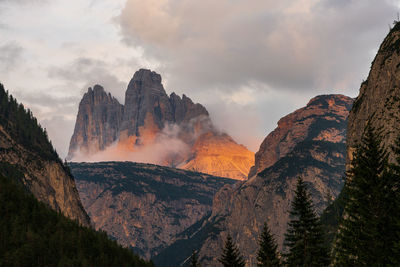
<point x="152" y="118"/>
<point x="378" y="101"/>
<point x="48" y="180"/>
<point x="144" y="206"/>
<point x="148" y="109"/>
<point x="309" y="143"/>
<point x="297" y="126"/>
<point x="185" y="110"/>
<point x="218" y="154"/>
<point x="99" y="118"/>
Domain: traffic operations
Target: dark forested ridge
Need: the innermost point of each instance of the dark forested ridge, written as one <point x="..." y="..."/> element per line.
<point x="24" y="127"/>
<point x="25" y="146"/>
<point x="31" y="234"/>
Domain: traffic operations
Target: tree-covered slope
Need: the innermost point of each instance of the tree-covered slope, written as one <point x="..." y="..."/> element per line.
<point x="31" y="234"/>
<point x="24" y="127"/>
<point x="25" y="146"/>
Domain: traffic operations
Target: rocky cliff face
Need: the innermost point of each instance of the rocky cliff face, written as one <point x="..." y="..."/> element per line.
<point x="150" y="118"/>
<point x="26" y="156"/>
<point x="47" y="180"/>
<point x="144" y="206"/>
<point x="97" y="124"/>
<point x="297" y="126"/>
<point x="378" y="100"/>
<point x="148" y="109"/>
<point x="309" y="143"/>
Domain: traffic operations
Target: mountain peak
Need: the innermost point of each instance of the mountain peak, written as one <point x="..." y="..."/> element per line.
<point x="331" y="111"/>
<point x="330" y="99"/>
<point x="308" y="143"/>
<point x="148" y="116"/>
<point x="98" y="114"/>
<point x="96" y="95"/>
<point x="98" y="88"/>
<point x="146" y="75"/>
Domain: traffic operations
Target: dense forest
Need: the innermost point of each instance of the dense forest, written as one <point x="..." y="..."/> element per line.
<point x="31" y="234"/>
<point x="24" y="127"/>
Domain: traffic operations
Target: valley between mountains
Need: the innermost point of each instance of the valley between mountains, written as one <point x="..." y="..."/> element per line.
<point x="153" y="181"/>
<point x="147" y="208"/>
<point x="309" y="143"/>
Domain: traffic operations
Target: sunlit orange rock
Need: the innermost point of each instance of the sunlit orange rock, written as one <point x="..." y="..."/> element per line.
<point x="218" y="154"/>
<point x="153" y="127"/>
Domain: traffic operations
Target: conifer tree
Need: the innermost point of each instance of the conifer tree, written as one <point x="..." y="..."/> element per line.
<point x="395" y="200"/>
<point x="267" y="255"/>
<point x="366" y="234"/>
<point x="194" y="259"/>
<point x="231" y="256"/>
<point x="391" y="219"/>
<point x="304" y="238"/>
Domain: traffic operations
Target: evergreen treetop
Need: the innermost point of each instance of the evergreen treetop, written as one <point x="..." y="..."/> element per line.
<point x="267" y="255"/>
<point x="394" y="221"/>
<point x="24" y="128"/>
<point x="304" y="238"/>
<point x="366" y="234"/>
<point x="231" y="256"/>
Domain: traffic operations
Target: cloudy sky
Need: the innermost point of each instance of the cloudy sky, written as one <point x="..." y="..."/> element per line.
<point x="250" y="62"/>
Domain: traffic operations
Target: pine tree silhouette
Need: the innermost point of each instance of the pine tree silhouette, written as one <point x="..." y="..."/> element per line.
<point x="231" y="256"/>
<point x="368" y="232"/>
<point x="304" y="238"/>
<point x="267" y="255"/>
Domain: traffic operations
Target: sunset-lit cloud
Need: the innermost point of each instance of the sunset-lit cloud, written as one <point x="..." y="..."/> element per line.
<point x="166" y="149"/>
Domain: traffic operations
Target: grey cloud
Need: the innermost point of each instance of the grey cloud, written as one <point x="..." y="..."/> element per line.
<point x="59" y="113"/>
<point x="90" y="72"/>
<point x="291" y="48"/>
<point x="265" y="41"/>
<point x="56" y="114"/>
<point x="43" y="99"/>
<point x="249" y="123"/>
<point x="56" y="127"/>
<point x="10" y="56"/>
<point x="23" y="2"/>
